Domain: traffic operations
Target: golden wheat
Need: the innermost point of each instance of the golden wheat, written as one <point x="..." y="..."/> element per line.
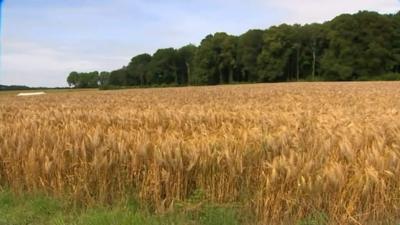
<point x="284" y="150"/>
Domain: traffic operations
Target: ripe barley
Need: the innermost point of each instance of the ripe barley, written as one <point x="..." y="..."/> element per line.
<point x="283" y="150"/>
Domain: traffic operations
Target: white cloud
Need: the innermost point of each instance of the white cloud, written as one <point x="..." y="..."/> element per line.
<point x="36" y="65"/>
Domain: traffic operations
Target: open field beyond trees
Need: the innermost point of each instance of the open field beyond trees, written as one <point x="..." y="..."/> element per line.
<point x="280" y="151"/>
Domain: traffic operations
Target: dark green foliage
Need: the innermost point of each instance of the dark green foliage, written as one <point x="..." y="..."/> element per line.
<point x="163" y="68"/>
<point x="249" y="48"/>
<point x="137" y="70"/>
<point x="185" y="63"/>
<point x="396" y="42"/>
<point x="363" y="46"/>
<point x="278" y="58"/>
<point x="383" y="77"/>
<point x="104" y="78"/>
<point x="314" y="42"/>
<point x="83" y="80"/>
<point x="359" y="45"/>
<point x="215" y="61"/>
<point x="119" y="77"/>
<point x="13" y="87"/>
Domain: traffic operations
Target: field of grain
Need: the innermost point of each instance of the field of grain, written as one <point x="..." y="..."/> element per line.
<point x="283" y="151"/>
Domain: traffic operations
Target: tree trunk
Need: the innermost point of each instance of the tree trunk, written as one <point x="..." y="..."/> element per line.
<point x="313" y="65"/>
<point x="221" y="77"/>
<point x="297" y="64"/>
<point x="230" y="75"/>
<point x="188" y="73"/>
<point x="314" y="52"/>
<point x="244" y="75"/>
<point x="176" y="79"/>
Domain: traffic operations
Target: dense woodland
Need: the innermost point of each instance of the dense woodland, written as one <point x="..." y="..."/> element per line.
<point x="362" y="46"/>
<point x="13" y="87"/>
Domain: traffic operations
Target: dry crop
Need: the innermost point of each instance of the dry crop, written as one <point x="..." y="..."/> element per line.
<point x="283" y="150"/>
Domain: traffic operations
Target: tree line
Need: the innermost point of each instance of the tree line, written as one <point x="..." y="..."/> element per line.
<point x="361" y="46"/>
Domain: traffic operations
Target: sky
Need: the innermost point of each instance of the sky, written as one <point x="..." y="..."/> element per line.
<point x="42" y="41"/>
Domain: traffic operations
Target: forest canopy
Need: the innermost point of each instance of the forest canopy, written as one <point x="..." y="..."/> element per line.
<point x="361" y="46"/>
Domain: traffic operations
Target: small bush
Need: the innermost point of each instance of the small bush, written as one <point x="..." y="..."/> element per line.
<point x="315" y="219"/>
<point x="214" y="215"/>
<point x="383" y="77"/>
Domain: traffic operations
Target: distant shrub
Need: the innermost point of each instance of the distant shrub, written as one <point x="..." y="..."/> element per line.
<point x="111" y="87"/>
<point x="383" y="77"/>
<point x="391" y="76"/>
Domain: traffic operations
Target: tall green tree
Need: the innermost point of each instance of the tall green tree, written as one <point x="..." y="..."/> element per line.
<point x="250" y="45"/>
<point x="84" y="80"/>
<point x="119" y="77"/>
<point x="206" y="62"/>
<point x="138" y="70"/>
<point x="104" y="78"/>
<point x="228" y="64"/>
<point x="216" y="59"/>
<point x="73" y="79"/>
<point x="396" y="42"/>
<point x="359" y="46"/>
<point x="185" y="62"/>
<point x="276" y="59"/>
<point x="91" y="80"/>
<point x="163" y="67"/>
<point x="314" y="42"/>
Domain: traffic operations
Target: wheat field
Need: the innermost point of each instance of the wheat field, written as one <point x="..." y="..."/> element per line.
<point x="284" y="151"/>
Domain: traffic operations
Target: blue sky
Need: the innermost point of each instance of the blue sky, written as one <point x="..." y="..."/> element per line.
<point x="43" y="40"/>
